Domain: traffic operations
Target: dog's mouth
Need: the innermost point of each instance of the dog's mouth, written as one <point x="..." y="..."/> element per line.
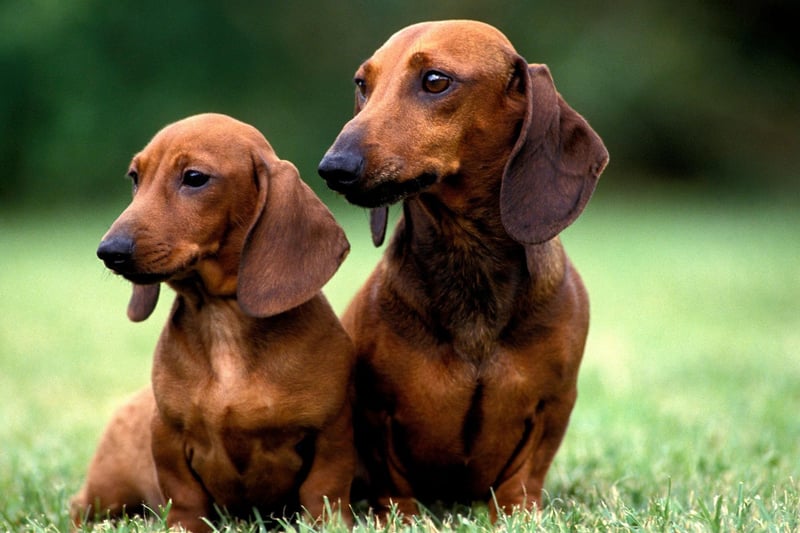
<point x="121" y="260"/>
<point x="144" y="278"/>
<point x="129" y="269"/>
<point x="384" y="182"/>
<point x="387" y="192"/>
<point x="140" y="277"/>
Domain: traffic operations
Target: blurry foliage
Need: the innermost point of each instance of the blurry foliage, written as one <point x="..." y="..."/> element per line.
<point x="706" y="93"/>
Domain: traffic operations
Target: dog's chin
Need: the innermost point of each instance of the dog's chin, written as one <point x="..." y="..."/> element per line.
<point x="144" y="278"/>
<point x="177" y="270"/>
<point x="389" y="192"/>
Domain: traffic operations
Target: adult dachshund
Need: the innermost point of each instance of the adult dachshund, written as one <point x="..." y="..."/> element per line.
<point x="470" y="331"/>
<point x="251" y="404"/>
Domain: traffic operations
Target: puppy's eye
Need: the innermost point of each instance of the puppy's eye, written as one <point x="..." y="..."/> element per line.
<point x="436" y="82"/>
<point x="361" y="86"/>
<point x="134" y="176"/>
<point x="194" y="178"/>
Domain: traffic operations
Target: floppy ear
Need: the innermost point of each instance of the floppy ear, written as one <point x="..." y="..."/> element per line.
<point x="293" y="247"/>
<point x="554" y="166"/>
<point x="143" y="301"/>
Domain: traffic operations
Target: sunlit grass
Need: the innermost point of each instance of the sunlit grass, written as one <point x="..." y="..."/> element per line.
<point x="687" y="414"/>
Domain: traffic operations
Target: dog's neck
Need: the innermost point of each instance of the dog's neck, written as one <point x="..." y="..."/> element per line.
<point x="196" y="289"/>
<point x="475" y="276"/>
<point x="219" y="325"/>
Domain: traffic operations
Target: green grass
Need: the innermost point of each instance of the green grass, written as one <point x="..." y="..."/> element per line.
<point x="689" y="393"/>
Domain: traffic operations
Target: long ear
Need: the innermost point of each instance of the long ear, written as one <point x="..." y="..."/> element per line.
<point x="555" y="164"/>
<point x="293" y="247"/>
<point x="143" y="301"/>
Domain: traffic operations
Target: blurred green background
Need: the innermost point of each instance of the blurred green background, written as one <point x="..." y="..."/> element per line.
<point x="699" y="94"/>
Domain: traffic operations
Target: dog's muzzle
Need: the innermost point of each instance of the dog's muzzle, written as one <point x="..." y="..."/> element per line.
<point x="117" y="253"/>
<point x="341" y="170"/>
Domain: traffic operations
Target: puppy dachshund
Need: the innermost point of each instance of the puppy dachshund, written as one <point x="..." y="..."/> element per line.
<point x="251" y="397"/>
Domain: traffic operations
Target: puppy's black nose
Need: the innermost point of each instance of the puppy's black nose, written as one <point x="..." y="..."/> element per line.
<point x="341" y="170"/>
<point x="116" y="252"/>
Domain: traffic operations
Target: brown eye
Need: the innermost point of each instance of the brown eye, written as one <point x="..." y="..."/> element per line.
<point x="134" y="176"/>
<point x="195" y="179"/>
<point x="361" y="85"/>
<point x="435" y="82"/>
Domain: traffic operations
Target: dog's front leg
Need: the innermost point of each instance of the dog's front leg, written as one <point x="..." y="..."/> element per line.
<point x="332" y="470"/>
<point x="190" y="502"/>
<point x="397" y="492"/>
<point x="522" y="483"/>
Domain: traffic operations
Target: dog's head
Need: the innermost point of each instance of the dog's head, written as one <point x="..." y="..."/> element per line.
<point x="215" y="209"/>
<point x="450" y="106"/>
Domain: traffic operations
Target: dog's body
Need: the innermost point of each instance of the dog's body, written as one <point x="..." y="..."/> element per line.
<point x="471" y="329"/>
<point x="122" y="475"/>
<point x="251" y="382"/>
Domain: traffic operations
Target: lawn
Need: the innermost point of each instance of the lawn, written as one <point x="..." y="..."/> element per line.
<point x="689" y="394"/>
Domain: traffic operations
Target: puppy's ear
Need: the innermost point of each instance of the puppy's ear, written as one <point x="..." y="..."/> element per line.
<point x="143" y="301"/>
<point x="554" y="166"/>
<point x="293" y="247"/>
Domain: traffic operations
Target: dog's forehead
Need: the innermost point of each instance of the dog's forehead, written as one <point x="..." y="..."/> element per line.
<point x="452" y="42"/>
<point x="209" y="137"/>
<point x="207" y="129"/>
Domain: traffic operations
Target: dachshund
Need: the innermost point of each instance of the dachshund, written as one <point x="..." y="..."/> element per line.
<point x="251" y="397"/>
<point x="470" y="331"/>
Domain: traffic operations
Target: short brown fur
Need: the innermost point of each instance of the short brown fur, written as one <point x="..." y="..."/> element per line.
<point x="250" y="404"/>
<point x="470" y="331"/>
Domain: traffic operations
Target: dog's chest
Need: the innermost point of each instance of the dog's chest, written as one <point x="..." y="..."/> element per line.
<point x="241" y="434"/>
<point x="225" y="390"/>
<point x="481" y="402"/>
<point x="449" y="418"/>
<point x="470" y="290"/>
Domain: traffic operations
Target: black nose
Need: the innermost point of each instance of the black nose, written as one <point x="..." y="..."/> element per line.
<point x="116" y="252"/>
<point x="341" y="170"/>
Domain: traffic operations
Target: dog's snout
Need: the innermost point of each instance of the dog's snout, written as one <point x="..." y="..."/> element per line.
<point x="116" y="252"/>
<point x="341" y="169"/>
